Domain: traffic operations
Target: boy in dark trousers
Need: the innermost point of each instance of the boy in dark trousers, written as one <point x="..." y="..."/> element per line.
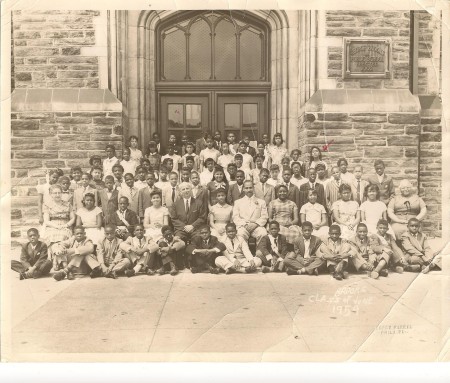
<point x="34" y="262"/>
<point x="203" y="251"/>
<point x="272" y="249"/>
<point x="171" y="251"/>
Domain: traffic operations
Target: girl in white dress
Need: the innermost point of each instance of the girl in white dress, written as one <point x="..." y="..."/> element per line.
<point x="155" y="217"/>
<point x="372" y="210"/>
<point x="346" y="212"/>
<point x="226" y="156"/>
<point x="91" y="218"/>
<point x="219" y="215"/>
<point x="135" y="153"/>
<point x="277" y="151"/>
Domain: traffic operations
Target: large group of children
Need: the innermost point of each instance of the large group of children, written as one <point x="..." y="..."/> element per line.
<point x="219" y="206"/>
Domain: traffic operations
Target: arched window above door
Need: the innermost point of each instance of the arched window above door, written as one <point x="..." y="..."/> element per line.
<point x="213" y="46"/>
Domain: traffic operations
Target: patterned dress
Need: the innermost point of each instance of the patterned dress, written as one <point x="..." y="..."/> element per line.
<point x="277" y="153"/>
<point x="283" y="213"/>
<point x="347" y="213"/>
<point x="59" y="213"/>
<point x="153" y="216"/>
<point x="222" y="214"/>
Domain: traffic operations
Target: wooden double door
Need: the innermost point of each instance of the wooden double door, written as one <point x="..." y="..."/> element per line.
<point x="194" y="115"/>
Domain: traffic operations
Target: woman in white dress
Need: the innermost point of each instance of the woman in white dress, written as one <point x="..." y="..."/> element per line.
<point x="155" y="217"/>
<point x="277" y="151"/>
<point x="372" y="210"/>
<point x="219" y="215"/>
<point x="91" y="218"/>
<point x="346" y="212"/>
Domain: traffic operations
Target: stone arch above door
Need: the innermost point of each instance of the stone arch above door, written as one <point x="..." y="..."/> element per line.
<point x="137" y="65"/>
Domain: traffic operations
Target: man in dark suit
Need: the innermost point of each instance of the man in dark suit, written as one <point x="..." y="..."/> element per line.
<point x="218" y="141"/>
<point x="203" y="251"/>
<point x="236" y="190"/>
<point x="188" y="214"/>
<point x="312" y="184"/>
<point x="250" y="149"/>
<point x="293" y="191"/>
<point x="34" y="262"/>
<point x="124" y="219"/>
<point x="384" y="183"/>
<point x="272" y="249"/>
<point x="304" y="258"/>
<point x="144" y="195"/>
<point x="200" y="144"/>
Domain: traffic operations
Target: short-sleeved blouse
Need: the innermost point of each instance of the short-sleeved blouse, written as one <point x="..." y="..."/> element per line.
<point x="282" y="211"/>
<point x="156" y="215"/>
<point x="277" y="153"/>
<point x="347" y="210"/>
<point x="221" y="214"/>
<point x="373" y="211"/>
<point x="89" y="217"/>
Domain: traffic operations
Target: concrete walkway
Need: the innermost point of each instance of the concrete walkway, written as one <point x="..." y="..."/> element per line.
<point x="260" y="317"/>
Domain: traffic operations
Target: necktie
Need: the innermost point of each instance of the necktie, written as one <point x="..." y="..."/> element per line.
<point x="232" y="243"/>
<point x="276" y="242"/>
<point x="173" y="194"/>
<point x="187" y="207"/>
<point x="263" y="188"/>
<point x="312" y="186"/>
<point x="358" y="193"/>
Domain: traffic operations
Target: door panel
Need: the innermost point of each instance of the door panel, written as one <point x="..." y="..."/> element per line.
<point x="183" y="115"/>
<point x="242" y="115"/>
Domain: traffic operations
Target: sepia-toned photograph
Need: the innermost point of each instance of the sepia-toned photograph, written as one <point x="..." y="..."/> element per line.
<point x="225" y="185"/>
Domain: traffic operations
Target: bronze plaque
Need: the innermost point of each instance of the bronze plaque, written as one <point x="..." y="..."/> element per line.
<point x="367" y="58"/>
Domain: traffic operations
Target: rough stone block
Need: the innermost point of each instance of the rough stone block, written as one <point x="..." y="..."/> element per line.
<point x="107" y="121"/>
<point x="41" y="154"/>
<point x="23" y="76"/>
<point x="431" y="128"/>
<point x="412" y="129"/>
<point x="35" y="51"/>
<point x="371" y="118"/>
<point x="402" y="140"/>
<point x="68" y="154"/>
<point x="377" y="152"/>
<point x="381" y="32"/>
<point x="33" y="133"/>
<point x="431" y="137"/>
<point x="404" y="118"/>
<point x="54" y="164"/>
<point x="70" y="51"/>
<point x="24" y="125"/>
<point x="24" y="144"/>
<point x="74" y="120"/>
<point x="344" y="32"/>
<point x="332" y="116"/>
<point x="73" y="74"/>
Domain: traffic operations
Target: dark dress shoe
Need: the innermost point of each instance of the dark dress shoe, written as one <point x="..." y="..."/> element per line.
<point x="22" y="276"/>
<point x="345" y="274"/>
<point x="161" y="271"/>
<point x="173" y="272"/>
<point x="291" y="272"/>
<point x="384" y="273"/>
<point x="129" y="273"/>
<point x="150" y="272"/>
<point x="70" y="276"/>
<point x="249" y="270"/>
<point x="213" y="270"/>
<point x="338" y="276"/>
<point x="316" y="272"/>
<point x="95" y="273"/>
<point x="194" y="270"/>
<point x="230" y="270"/>
<point x="59" y="276"/>
<point x="265" y="269"/>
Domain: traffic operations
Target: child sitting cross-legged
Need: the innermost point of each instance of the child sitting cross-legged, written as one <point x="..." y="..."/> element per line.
<point x="109" y="254"/>
<point x="336" y="253"/>
<point x="203" y="251"/>
<point x="139" y="251"/>
<point x="418" y="253"/>
<point x="171" y="250"/>
<point x="34" y="262"/>
<point x="272" y="249"/>
<point x="72" y="252"/>
<point x="237" y="256"/>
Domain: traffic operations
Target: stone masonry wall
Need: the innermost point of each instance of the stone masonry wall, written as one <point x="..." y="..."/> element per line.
<point x="429" y="63"/>
<point x="47" y="140"/>
<point x="48" y="49"/>
<point x="371" y="24"/>
<point x="362" y="138"/>
<point x="430" y="187"/>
